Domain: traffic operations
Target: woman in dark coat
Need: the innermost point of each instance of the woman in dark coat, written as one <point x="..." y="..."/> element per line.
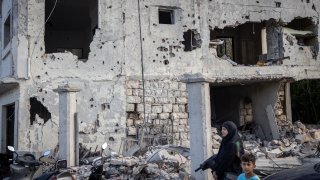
<point x="228" y="157"/>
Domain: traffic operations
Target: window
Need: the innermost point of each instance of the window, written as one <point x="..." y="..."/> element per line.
<point x="71" y="26"/>
<point x="166" y="16"/>
<point x="226" y="48"/>
<point x="7" y="31"/>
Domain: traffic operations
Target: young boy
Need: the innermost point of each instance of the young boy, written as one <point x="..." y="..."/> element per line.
<point x="248" y="163"/>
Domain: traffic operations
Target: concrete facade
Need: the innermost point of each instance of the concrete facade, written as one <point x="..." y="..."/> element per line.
<point x="110" y="78"/>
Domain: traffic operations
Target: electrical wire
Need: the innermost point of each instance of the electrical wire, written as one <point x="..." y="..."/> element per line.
<point x="142" y="76"/>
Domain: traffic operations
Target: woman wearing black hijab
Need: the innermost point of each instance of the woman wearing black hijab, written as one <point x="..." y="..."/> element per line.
<point x="228" y="157"/>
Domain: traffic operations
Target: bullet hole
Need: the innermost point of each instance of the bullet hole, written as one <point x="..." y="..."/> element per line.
<point x="147" y="6"/>
<point x="166" y="62"/>
<point x="105" y="106"/>
<point x="38" y="77"/>
<point x="42" y="99"/>
<point x="164" y="57"/>
<point x="40" y="90"/>
<point x="142" y="39"/>
<point x="45" y="92"/>
<point x="172" y="55"/>
<point x="308" y="1"/>
<point x="109" y="7"/>
<point x="36" y="107"/>
<point x="257" y="2"/>
<point x="278" y="4"/>
<point x="154" y="60"/>
<point x="185" y="26"/>
<point x="193" y="22"/>
<point x="188" y="15"/>
<point x="111" y="139"/>
<point x="123" y="17"/>
<point x="100" y="47"/>
<point x="209" y="20"/>
<point x="46" y="73"/>
<point x="161" y="48"/>
<point x="154" y="41"/>
<point x="118" y="62"/>
<point x="247" y="17"/>
<point x="224" y="21"/>
<point x="117" y="125"/>
<point x="102" y="62"/>
<point x="91" y="99"/>
<point x="52" y="57"/>
<point x="114" y="46"/>
<point x="41" y="49"/>
<point x="157" y="54"/>
<point x="314" y="7"/>
<point x="301" y="48"/>
<point x="91" y="105"/>
<point x="116" y="130"/>
<point x="163" y="40"/>
<point x="193" y="15"/>
<point x="198" y="17"/>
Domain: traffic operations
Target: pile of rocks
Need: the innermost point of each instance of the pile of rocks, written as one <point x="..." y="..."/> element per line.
<point x="162" y="162"/>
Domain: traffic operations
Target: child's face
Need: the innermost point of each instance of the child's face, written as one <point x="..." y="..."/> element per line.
<point x="247" y="167"/>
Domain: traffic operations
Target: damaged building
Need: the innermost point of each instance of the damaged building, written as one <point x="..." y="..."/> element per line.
<point x="163" y="70"/>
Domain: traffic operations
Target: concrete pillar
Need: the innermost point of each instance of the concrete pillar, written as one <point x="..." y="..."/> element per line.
<point x="264" y="44"/>
<point x="288" y="102"/>
<point x="200" y="127"/>
<point x="67" y="134"/>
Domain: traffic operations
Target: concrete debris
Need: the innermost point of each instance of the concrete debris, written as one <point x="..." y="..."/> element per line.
<point x="161" y="162"/>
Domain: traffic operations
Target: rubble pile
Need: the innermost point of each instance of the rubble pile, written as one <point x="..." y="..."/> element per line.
<point x="161" y="162"/>
<point x="288" y="152"/>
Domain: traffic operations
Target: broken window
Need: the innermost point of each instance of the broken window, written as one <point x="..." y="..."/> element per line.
<point x="71" y="26"/>
<point x="305" y="101"/>
<point x="7" y="31"/>
<point x="192" y="40"/>
<point x="241" y="44"/>
<point x="166" y="16"/>
<point x="37" y="108"/>
<point x="8" y="116"/>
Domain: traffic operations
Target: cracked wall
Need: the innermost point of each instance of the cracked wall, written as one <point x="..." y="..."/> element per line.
<point x="115" y="58"/>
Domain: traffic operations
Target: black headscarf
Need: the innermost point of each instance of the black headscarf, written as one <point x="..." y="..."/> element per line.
<point x="231" y="148"/>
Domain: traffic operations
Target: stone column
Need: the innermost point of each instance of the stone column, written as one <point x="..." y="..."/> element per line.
<point x="200" y="127"/>
<point x="67" y="110"/>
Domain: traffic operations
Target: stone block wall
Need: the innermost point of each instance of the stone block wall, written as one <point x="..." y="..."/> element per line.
<point x="166" y="110"/>
<point x="279" y="110"/>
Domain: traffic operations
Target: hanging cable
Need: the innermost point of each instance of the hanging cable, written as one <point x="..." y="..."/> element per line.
<point x="142" y="77"/>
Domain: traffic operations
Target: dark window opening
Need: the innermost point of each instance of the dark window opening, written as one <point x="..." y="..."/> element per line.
<point x="241" y="44"/>
<point x="192" y="40"/>
<point x="7" y="31"/>
<point x="37" y="108"/>
<point x="166" y="16"/>
<point x="305" y="101"/>
<point x="8" y="124"/>
<point x="71" y="26"/>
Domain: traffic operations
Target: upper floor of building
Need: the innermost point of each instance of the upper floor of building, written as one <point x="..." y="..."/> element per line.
<point x="102" y="39"/>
